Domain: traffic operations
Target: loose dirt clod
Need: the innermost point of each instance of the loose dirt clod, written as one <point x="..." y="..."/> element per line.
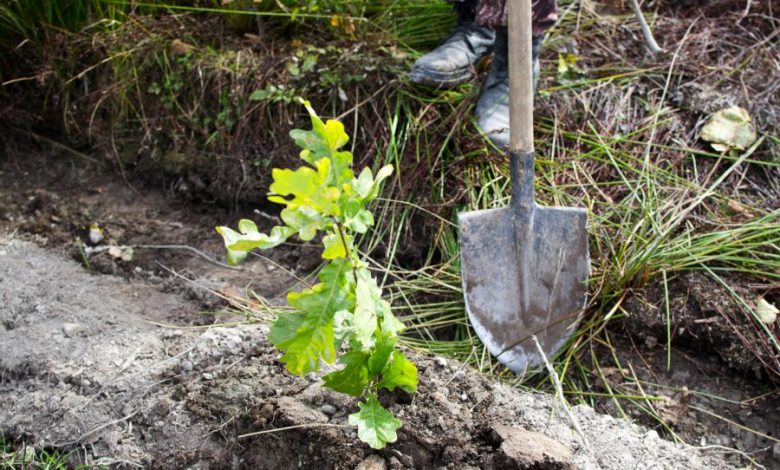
<point x="522" y="449"/>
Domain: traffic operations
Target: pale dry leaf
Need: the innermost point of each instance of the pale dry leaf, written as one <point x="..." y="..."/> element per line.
<point x="115" y="251"/>
<point x="730" y="128"/>
<point x="766" y="311"/>
<point x="737" y="207"/>
<point x="125" y="253"/>
<point x="673" y="409"/>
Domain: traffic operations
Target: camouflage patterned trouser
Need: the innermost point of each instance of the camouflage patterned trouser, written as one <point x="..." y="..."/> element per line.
<point x="493" y="13"/>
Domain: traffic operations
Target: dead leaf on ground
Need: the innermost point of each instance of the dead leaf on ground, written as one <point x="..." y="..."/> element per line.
<point x="737" y="207"/>
<point x="125" y="253"/>
<point x="613" y="375"/>
<point x="766" y="311"/>
<point x="179" y="47"/>
<point x="730" y="128"/>
<point x="672" y="409"/>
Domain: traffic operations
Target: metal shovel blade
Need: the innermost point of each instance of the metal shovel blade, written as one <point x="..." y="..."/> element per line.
<point x="524" y="269"/>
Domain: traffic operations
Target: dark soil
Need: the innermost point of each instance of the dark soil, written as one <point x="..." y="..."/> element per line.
<point x="55" y="200"/>
<point x="703" y="316"/>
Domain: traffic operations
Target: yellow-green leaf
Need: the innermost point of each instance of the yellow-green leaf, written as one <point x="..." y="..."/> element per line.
<point x="305" y="220"/>
<point x="334" y="247"/>
<point x="240" y="243"/>
<point x="307" y="188"/>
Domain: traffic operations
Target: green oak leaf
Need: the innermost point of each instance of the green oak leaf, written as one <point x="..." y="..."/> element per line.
<point x="353" y="378"/>
<point x="367" y="301"/>
<point x="321" y="297"/>
<point x="248" y="238"/>
<point x="365" y="186"/>
<point x="342" y="326"/>
<point x="390" y="324"/>
<point x="376" y="426"/>
<point x="381" y="175"/>
<point x="334" y="246"/>
<point x="360" y="222"/>
<point x="284" y="328"/>
<point x="342" y="167"/>
<point x="314" y="340"/>
<point x="370" y="297"/>
<point x="354" y="216"/>
<point x="305" y="220"/>
<point x="400" y="372"/>
<point x="380" y="356"/>
<point x="362" y="184"/>
<point x="313" y="142"/>
<point x="337" y="272"/>
<point x="234" y="257"/>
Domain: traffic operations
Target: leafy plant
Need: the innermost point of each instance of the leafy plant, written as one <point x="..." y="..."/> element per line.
<point x="346" y="307"/>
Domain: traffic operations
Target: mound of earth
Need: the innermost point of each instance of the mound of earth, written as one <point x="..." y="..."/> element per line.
<point x="90" y="364"/>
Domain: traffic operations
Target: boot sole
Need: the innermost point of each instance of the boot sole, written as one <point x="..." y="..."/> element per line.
<point x="440" y="79"/>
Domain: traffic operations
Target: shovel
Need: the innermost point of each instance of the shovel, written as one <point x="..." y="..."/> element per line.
<point x="523" y="266"/>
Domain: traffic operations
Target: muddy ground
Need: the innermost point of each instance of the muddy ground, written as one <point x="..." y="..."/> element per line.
<point x="116" y="361"/>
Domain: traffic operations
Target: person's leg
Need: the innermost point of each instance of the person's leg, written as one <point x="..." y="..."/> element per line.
<point x="452" y="62"/>
<point x="493" y="106"/>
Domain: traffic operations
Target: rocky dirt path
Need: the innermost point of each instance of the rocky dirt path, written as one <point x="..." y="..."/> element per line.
<point x="86" y="366"/>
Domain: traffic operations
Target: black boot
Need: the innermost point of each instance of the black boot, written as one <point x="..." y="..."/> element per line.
<point x="452" y="62"/>
<point x="493" y="107"/>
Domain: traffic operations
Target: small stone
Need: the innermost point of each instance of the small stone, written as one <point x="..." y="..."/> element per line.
<point x="328" y="409"/>
<point x="394" y="463"/>
<point x="208" y="376"/>
<point x="372" y="462"/>
<point x="440" y="361"/>
<point x="186" y="365"/>
<point x="651" y="341"/>
<point x="526" y="449"/>
<point x="406" y="460"/>
<point x="724" y="440"/>
<point x="72" y="329"/>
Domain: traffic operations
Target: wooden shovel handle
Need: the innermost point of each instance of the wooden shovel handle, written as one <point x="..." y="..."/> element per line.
<point x="521" y="92"/>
